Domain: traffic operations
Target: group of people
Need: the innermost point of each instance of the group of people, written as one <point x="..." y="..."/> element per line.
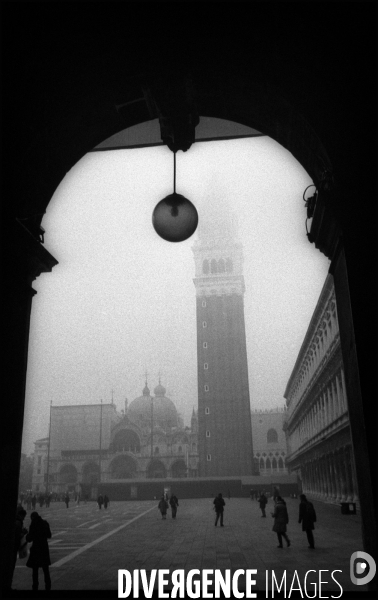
<point x="103" y="500"/>
<point x="38" y="534"/>
<point x="165" y="503"/>
<point x="307" y="516"/>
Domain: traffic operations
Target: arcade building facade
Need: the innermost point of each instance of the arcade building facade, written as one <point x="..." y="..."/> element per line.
<point x="317" y="423"/>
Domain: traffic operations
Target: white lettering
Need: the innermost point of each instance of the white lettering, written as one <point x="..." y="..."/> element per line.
<point x="220" y="582"/>
<point x="295" y="576"/>
<point x="206" y="582"/>
<point x="235" y="578"/>
<point x="313" y="583"/>
<point x="178" y="580"/>
<point x="283" y="582"/>
<point x="148" y="589"/>
<point x="136" y="583"/>
<point x="124" y="592"/>
<point x="249" y="582"/>
<point x="341" y="589"/>
<point x="320" y="582"/>
<point x="193" y="587"/>
<point x="162" y="583"/>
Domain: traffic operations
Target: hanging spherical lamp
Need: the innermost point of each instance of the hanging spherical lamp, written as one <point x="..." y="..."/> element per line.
<point x="175" y="218"/>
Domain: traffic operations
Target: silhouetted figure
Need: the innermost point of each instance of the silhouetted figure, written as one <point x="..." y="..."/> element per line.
<point x="307" y="516"/>
<point x="281" y="519"/>
<point x="106" y="501"/>
<point x="100" y="501"/>
<point x="34" y="501"/>
<point x="263" y="501"/>
<point x="19" y="533"/>
<point x="67" y="499"/>
<point x="39" y="557"/>
<point x="163" y="506"/>
<point x="219" y="505"/>
<point x="174" y="504"/>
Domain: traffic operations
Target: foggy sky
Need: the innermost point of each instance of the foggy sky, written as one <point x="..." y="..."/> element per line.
<point x="122" y="300"/>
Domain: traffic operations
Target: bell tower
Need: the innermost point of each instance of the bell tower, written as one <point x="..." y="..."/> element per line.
<point x="224" y="414"/>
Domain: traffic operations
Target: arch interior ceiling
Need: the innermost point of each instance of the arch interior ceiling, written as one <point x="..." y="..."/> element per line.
<point x="148" y="134"/>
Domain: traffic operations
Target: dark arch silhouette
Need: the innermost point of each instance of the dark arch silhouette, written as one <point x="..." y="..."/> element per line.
<point x="123" y="467"/>
<point x="68" y="474"/>
<point x="179" y="469"/>
<point x="126" y="440"/>
<point x="213" y="266"/>
<point x="90" y="473"/>
<point x="156" y="470"/>
<point x="272" y="436"/>
<point x="279" y="81"/>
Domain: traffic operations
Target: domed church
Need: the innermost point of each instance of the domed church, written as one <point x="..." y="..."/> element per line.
<point x="93" y="443"/>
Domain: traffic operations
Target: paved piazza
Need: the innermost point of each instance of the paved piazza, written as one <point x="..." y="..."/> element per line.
<point x="88" y="546"/>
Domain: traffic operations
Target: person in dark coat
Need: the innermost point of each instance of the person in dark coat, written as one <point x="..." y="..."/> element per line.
<point x="219" y="505"/>
<point x="106" y="501"/>
<point x="263" y="501"/>
<point x="163" y="506"/>
<point x="19" y="533"/>
<point x="307" y="516"/>
<point x="100" y="501"/>
<point x="67" y="499"/>
<point x="39" y="556"/>
<point x="281" y="519"/>
<point x="174" y="504"/>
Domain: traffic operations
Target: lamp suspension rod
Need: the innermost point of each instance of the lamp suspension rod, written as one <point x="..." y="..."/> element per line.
<point x="174" y="172"/>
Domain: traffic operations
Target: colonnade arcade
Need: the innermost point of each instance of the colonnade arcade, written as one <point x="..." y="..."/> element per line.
<point x="330" y="477"/>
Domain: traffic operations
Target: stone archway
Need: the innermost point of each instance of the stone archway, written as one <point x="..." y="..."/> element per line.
<point x="91" y="473"/>
<point x="123" y="467"/>
<point x="73" y="113"/>
<point x="156" y="470"/>
<point x="68" y="474"/>
<point x="126" y="440"/>
<point x="179" y="469"/>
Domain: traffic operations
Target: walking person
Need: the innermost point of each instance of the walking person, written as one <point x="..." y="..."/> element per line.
<point x="100" y="501"/>
<point x="67" y="499"/>
<point x="219" y="505"/>
<point x="34" y="501"/>
<point x="307" y="516"/>
<point x="163" y="506"/>
<point x="263" y="501"/>
<point x="281" y="519"/>
<point x="39" y="557"/>
<point x="19" y="532"/>
<point x="174" y="504"/>
<point x="106" y="501"/>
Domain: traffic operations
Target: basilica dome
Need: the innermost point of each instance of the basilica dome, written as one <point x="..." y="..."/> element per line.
<point x="163" y="412"/>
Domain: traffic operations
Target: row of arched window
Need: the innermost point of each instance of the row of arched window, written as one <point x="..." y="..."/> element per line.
<point x="217" y="266"/>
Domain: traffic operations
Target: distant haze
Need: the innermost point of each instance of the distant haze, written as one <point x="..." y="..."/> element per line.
<point x="122" y="300"/>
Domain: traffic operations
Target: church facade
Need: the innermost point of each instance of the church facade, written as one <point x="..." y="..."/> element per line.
<point x="316" y="420"/>
<point x="95" y="443"/>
